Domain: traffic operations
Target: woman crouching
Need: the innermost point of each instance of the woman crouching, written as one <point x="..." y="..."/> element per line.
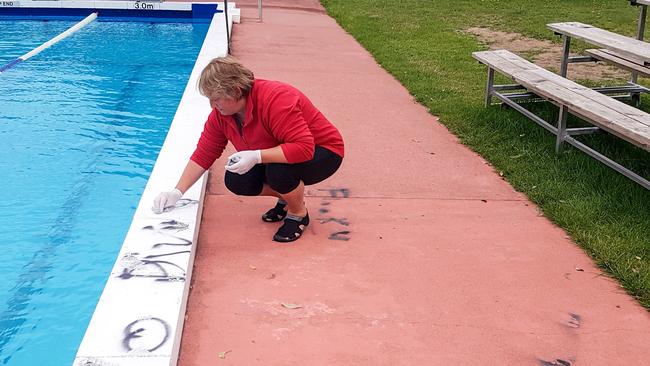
<point x="283" y="143"/>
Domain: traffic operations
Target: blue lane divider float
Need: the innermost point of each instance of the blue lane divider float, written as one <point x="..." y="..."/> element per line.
<point x="11" y="64"/>
<point x="49" y="43"/>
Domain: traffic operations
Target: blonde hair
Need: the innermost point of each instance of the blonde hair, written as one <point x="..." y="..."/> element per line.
<point x="226" y="77"/>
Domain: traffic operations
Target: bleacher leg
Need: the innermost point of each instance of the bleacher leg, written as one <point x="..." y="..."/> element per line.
<point x="488" y="87"/>
<point x="641" y="24"/>
<point x="636" y="99"/>
<point x="639" y="35"/>
<point x="565" y="55"/>
<point x="561" y="129"/>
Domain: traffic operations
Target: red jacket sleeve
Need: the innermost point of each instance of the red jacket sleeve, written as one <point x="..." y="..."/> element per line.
<point x="288" y="126"/>
<point x="211" y="143"/>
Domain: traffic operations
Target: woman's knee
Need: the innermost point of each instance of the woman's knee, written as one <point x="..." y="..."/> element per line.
<point x="242" y="185"/>
<point x="281" y="178"/>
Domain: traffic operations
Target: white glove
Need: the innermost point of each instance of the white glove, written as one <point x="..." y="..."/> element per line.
<point x="166" y="199"/>
<point x="243" y="161"/>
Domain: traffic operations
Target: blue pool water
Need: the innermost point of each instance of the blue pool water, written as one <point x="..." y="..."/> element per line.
<point x="81" y="125"/>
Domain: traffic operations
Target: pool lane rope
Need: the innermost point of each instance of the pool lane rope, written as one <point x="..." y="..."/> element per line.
<point x="49" y="43"/>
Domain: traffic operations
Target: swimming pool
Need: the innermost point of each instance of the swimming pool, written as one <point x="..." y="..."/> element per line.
<point x="81" y="125"/>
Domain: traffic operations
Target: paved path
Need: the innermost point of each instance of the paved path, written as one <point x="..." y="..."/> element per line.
<point x="419" y="253"/>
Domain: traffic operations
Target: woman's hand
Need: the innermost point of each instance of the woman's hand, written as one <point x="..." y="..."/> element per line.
<point x="243" y="161"/>
<point x="166" y="199"/>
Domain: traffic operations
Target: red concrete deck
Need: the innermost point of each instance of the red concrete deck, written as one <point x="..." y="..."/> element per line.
<point x="438" y="261"/>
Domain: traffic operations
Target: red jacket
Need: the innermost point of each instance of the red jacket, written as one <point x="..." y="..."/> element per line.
<point x="276" y="114"/>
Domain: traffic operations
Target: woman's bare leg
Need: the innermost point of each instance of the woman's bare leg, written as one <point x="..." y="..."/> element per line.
<point x="295" y="199"/>
<point x="268" y="191"/>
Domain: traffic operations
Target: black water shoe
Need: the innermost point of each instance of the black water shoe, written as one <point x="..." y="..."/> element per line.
<point x="291" y="229"/>
<point x="277" y="213"/>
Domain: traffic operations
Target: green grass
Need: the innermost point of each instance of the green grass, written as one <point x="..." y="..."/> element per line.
<point x="423" y="45"/>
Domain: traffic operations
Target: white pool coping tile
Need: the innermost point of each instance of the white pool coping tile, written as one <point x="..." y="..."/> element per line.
<point x="144" y="328"/>
<point x="236" y="14"/>
<point x="139" y="317"/>
<point x="111" y="4"/>
<point x="78" y="4"/>
<point x="176" y="6"/>
<point x="40" y="4"/>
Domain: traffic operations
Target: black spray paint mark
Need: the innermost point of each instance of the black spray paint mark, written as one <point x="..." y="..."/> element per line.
<point x="336" y="192"/>
<point x="89" y="362"/>
<point x="557" y="362"/>
<point x="340" y="235"/>
<point x="180" y="204"/>
<point x="168" y="225"/>
<point x="162" y="269"/>
<point x="342" y="221"/>
<point x="184" y="243"/>
<point x="574" y="322"/>
<point x="144" y="330"/>
<point x="166" y="254"/>
<point x="160" y="266"/>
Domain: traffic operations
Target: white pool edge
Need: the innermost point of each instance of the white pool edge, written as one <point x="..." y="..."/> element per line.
<point x="140" y="315"/>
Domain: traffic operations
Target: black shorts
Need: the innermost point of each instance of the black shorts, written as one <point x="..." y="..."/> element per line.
<point x="284" y="178"/>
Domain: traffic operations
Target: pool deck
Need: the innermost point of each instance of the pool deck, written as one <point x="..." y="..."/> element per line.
<point x="419" y="253"/>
